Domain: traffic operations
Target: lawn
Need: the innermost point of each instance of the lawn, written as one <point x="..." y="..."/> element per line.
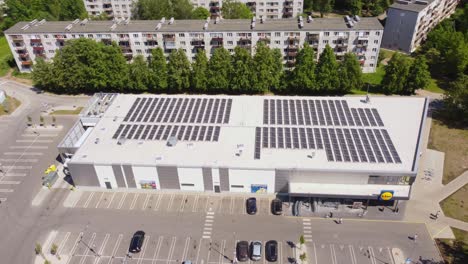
<point x="374" y="78"/>
<point x="455" y="251"/>
<point x="67" y="112"/>
<point x="9" y="105"/>
<point x="5" y="55"/>
<point x="454" y="205"/>
<point x="454" y="142"/>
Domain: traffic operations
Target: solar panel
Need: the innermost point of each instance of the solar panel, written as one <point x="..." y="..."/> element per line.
<point x="279" y="112"/>
<point x="370" y="117"/>
<point x="157" y="109"/>
<point x="138" y="109"/>
<point x="300" y="113"/>
<point x="180" y="135"/>
<point x="320" y="115"/>
<point x="227" y="114"/>
<point x="193" y="116"/>
<point x="272" y="137"/>
<point x="201" y="136"/>
<point x="318" y="138"/>
<point x="286" y="112"/>
<point x="367" y="146"/>
<point x="272" y="112"/>
<point x="377" y="117"/>
<point x="177" y="108"/>
<point x="293" y="112"/>
<point x="265" y="111"/>
<point x="280" y="133"/>
<point x="340" y="112"/>
<point x="132" y="132"/>
<point x="209" y="133"/>
<point x="287" y="137"/>
<point x="305" y="106"/>
<point x="326" y="112"/>
<point x="216" y="133"/>
<point x="160" y="132"/>
<point x="357" y="120"/>
<point x="383" y="147"/>
<point x="343" y="145"/>
<point x="334" y="114"/>
<point x="153" y="132"/>
<point x="167" y="132"/>
<point x="295" y="137"/>
<point x="117" y="132"/>
<point x="163" y="110"/>
<point x="132" y="109"/>
<point x="215" y="111"/>
<point x="188" y="133"/>
<point x="208" y="111"/>
<point x="125" y="131"/>
<point x="139" y="131"/>
<point x="146" y="132"/>
<point x="257" y="143"/>
<point x="390" y="145"/>
<point x="310" y="136"/>
<point x="167" y="116"/>
<point x="375" y="146"/>
<point x="352" y="147"/>
<point x="183" y="108"/>
<point x="201" y="112"/>
<point x="302" y="136"/>
<point x="363" y="117"/>
<point x="327" y="145"/>
<point x="150" y="109"/>
<point x="144" y="109"/>
<point x="222" y="108"/>
<point x="265" y="137"/>
<point x="188" y="114"/>
<point x="347" y="112"/>
<point x="335" y="145"/>
<point x="359" y="145"/>
<point x="195" y="131"/>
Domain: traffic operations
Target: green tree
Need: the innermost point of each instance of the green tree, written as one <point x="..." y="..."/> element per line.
<point x="419" y="75"/>
<point x="243" y="73"/>
<point x="178" y="70"/>
<point x="350" y="73"/>
<point x="139" y="75"/>
<point x="277" y="70"/>
<point x="200" y="13"/>
<point x="327" y="71"/>
<point x="152" y="9"/>
<point x="457" y="101"/>
<point x="199" y="78"/>
<point x="355" y="7"/>
<point x="235" y="10"/>
<point x="264" y="64"/>
<point x="115" y="68"/>
<point x="182" y="9"/>
<point x="396" y="74"/>
<point x="43" y="76"/>
<point x="219" y="71"/>
<point x="303" y="75"/>
<point x="322" y="6"/>
<point x="71" y="10"/>
<point x="158" y="67"/>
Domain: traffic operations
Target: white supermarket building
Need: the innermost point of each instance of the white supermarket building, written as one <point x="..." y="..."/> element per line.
<point x="321" y="147"/>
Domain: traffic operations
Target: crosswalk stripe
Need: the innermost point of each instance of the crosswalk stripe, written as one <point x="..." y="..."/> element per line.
<point x="23" y="153"/>
<point x="206" y="237"/>
<point x="305" y="219"/>
<point x="306" y="223"/>
<point x="34" y="141"/>
<point x="29" y="147"/>
<point x="10" y="182"/>
<point x="11" y="174"/>
<point x="307" y="227"/>
<point x="210" y="216"/>
<point x="6" y="190"/>
<point x="17" y="167"/>
<point x="39" y="135"/>
<point x="18" y="160"/>
<point x="210" y="213"/>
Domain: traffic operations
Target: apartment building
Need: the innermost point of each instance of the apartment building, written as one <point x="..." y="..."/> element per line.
<point x="272" y="9"/>
<point x="30" y="40"/>
<point x="409" y="21"/>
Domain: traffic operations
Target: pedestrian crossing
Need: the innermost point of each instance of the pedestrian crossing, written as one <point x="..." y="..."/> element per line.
<point x="208" y="227"/>
<point x="307" y="229"/>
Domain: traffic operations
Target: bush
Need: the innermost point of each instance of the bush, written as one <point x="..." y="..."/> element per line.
<point x="38" y="249"/>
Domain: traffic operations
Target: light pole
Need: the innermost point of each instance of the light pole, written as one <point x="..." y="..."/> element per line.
<point x="86" y="244"/>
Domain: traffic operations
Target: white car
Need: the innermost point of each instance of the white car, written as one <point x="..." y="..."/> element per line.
<point x="256" y="250"/>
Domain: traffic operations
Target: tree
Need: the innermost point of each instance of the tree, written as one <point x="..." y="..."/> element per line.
<point x="115" y="69"/>
<point x="277" y="70"/>
<point x="322" y="6"/>
<point x="243" y="74"/>
<point x="350" y="73"/>
<point x="327" y="71"/>
<point x="178" y="70"/>
<point x="396" y="74"/>
<point x="139" y="75"/>
<point x="199" y="78"/>
<point x="43" y="75"/>
<point x="219" y="71"/>
<point x="152" y="9"/>
<point x="182" y="9"/>
<point x="200" y="13"/>
<point x="355" y="7"/>
<point x="158" y="70"/>
<point x="235" y="10"/>
<point x="266" y="65"/>
<point x="303" y="75"/>
<point x="419" y="75"/>
<point x="457" y="101"/>
<point x="71" y="10"/>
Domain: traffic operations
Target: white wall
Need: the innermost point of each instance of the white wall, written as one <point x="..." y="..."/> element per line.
<point x="327" y="177"/>
<point x="146" y="174"/>
<point x="105" y="174"/>
<point x="191" y="176"/>
<point x="215" y="176"/>
<point x="248" y="177"/>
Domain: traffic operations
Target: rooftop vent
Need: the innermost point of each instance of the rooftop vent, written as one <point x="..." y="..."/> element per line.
<point x="301" y="24"/>
<point x="171" y="21"/>
<point x="121" y="141"/>
<point x="69" y="27"/>
<point x="205" y="27"/>
<point x="113" y="26"/>
<point x="41" y="22"/>
<point x="76" y="21"/>
<point x="163" y="20"/>
<point x="33" y="22"/>
<point x="309" y="19"/>
<point x="172" y="141"/>
<point x="158" y="26"/>
<point x="262" y="19"/>
<point x="421" y="2"/>
<point x="96" y="141"/>
<point x="403" y="2"/>
<point x="357" y="18"/>
<point x="84" y="22"/>
<point x="252" y="25"/>
<point x="217" y="20"/>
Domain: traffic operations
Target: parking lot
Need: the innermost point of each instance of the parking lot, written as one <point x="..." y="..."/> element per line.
<point x="87" y="247"/>
<point x="170" y="202"/>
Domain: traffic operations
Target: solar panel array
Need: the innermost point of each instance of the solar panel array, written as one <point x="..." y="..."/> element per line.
<point x="317" y="112"/>
<point x="188" y="119"/>
<point x="340" y="144"/>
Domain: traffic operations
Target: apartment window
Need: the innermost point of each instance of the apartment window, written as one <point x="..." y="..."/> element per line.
<point x="230" y="43"/>
<point x="326" y="34"/>
<point x="139" y="51"/>
<point x="229" y="34"/>
<point x="49" y="43"/>
<point x="137" y="43"/>
<point x="277" y="34"/>
<point x="334" y="41"/>
<point x="377" y="33"/>
<point x="325" y="42"/>
<point x="372" y="64"/>
<point x="135" y="35"/>
<point x="231" y="50"/>
<point x="182" y="43"/>
<point x="46" y="36"/>
<point x="52" y="51"/>
<point x="376" y="41"/>
<point x="374" y="49"/>
<point x="181" y="35"/>
<point x="81" y="35"/>
<point x="90" y="35"/>
<point x="372" y="57"/>
<point x="336" y="33"/>
<point x="277" y="42"/>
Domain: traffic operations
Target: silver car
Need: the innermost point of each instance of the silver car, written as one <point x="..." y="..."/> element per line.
<point x="256" y="250"/>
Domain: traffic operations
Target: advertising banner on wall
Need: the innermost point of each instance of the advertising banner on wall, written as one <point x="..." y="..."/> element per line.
<point x="148" y="184"/>
<point x="258" y="188"/>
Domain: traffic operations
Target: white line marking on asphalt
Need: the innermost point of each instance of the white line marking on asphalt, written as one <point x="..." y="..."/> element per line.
<point x="306" y="223"/>
<point x="62" y="244"/>
<point x="391" y="256"/>
<point x="3" y="199"/>
<point x="88" y="200"/>
<point x="145" y="204"/>
<point x="119" y="239"/>
<point x="315" y="254"/>
<point x="372" y="256"/>
<point x="206" y="232"/>
<point x="198" y="251"/>
<point x="351" y="252"/>
<point x="156" y="207"/>
<point x="186" y="247"/>
<point x="29" y="147"/>
<point x="143" y="250"/>
<point x="8" y="168"/>
<point x="206" y="205"/>
<point x="99" y="201"/>
<point x="41" y="135"/>
<point x="23" y="154"/>
<point x="333" y="254"/>
<point x="101" y="250"/>
<point x="209" y="220"/>
<point x="158" y="248"/>
<point x="231" y="209"/>
<point x="210" y="213"/>
<point x="182" y="203"/>
<point x="20" y="160"/>
<point x="307" y="227"/>
<point x="171" y="250"/>
<point x="169" y="205"/>
<point x="280" y="255"/>
<point x="87" y="248"/>
<point x="10" y="182"/>
<point x="6" y="190"/>
<point x="134" y="201"/>
<point x="206" y="237"/>
<point x="33" y="141"/>
<point x="14" y="174"/>
<point x="112" y="199"/>
<point x="75" y="245"/>
<point x="122" y="201"/>
<point x="210" y="216"/>
<point x="223" y="246"/>
<point x="195" y="203"/>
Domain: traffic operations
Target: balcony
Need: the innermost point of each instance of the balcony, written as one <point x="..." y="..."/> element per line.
<point x="361" y="44"/>
<point x="340" y="52"/>
<point x="17" y="38"/>
<point x="197" y="43"/>
<point x="216" y="43"/>
<point x="124" y="37"/>
<point x="341" y="44"/>
<point x="169" y="37"/>
<point x="264" y="39"/>
<point x="244" y="44"/>
<point x="151" y="37"/>
<point x="251" y="4"/>
<point x="24" y="55"/>
<point x="291" y="53"/>
<point x="151" y="43"/>
<point x="38" y="49"/>
<point x="26" y="63"/>
<point x="169" y="45"/>
<point x="22" y="47"/>
<point x="34" y="41"/>
<point x="126" y="50"/>
<point x="214" y="9"/>
<point x="219" y="39"/>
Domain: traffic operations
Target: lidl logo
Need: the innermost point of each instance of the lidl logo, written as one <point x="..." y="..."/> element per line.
<point x="386" y="195"/>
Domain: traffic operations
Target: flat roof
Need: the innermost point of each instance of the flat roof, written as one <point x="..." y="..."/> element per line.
<point x="317" y="133"/>
<point x="235" y="25"/>
<point x="411" y="5"/>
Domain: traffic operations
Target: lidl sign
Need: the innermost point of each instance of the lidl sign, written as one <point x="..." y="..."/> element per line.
<point x="386" y="195"/>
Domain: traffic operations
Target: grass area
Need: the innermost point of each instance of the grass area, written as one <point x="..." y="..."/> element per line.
<point x="455" y="251"/>
<point x="5" y="55"/>
<point x="434" y="87"/>
<point x="454" y="205"/>
<point x="9" y="105"/>
<point x="22" y="75"/>
<point x="454" y="142"/>
<point x="374" y="78"/>
<point x="67" y="112"/>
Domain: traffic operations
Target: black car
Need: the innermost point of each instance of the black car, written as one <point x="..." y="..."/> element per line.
<point x="251" y="205"/>
<point x="276" y="207"/>
<point x="242" y="251"/>
<point x="137" y="242"/>
<point x="271" y="250"/>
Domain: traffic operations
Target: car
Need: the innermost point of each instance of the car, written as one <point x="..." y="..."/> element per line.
<point x="271" y="250"/>
<point x="187" y="262"/>
<point x="242" y="251"/>
<point x="137" y="242"/>
<point x="251" y="206"/>
<point x="276" y="206"/>
<point x="255" y="250"/>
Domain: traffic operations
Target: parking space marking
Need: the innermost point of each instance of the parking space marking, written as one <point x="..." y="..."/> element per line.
<point x="134" y="201"/>
<point x="117" y="244"/>
<point x="171" y="250"/>
<point x="89" y="200"/>
<point x="333" y="254"/>
<point x="145" y="204"/>
<point x="390" y="255"/>
<point x="99" y="201"/>
<point x="186" y="248"/>
<point x="183" y="203"/>
<point x="351" y="252"/>
<point x="34" y="141"/>
<point x="122" y="201"/>
<point x="85" y="254"/>
<point x="142" y="254"/>
<point x="231" y="211"/>
<point x="10" y="182"/>
<point x="371" y="255"/>
<point x="29" y="147"/>
<point x="158" y="203"/>
<point x="158" y="248"/>
<point x="8" y="168"/>
<point x="19" y="160"/>
<point x="62" y="244"/>
<point x="101" y="250"/>
<point x="169" y="205"/>
<point x="23" y="154"/>
<point x="6" y="190"/>
<point x="75" y="245"/>
<point x="110" y="202"/>
<point x="195" y="203"/>
<point x="41" y="135"/>
<point x="198" y="251"/>
<point x="14" y="174"/>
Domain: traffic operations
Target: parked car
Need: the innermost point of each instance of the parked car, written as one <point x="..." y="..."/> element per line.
<point x="137" y="242"/>
<point x="271" y="250"/>
<point x="276" y="207"/>
<point x="256" y="250"/>
<point x="242" y="251"/>
<point x="251" y="205"/>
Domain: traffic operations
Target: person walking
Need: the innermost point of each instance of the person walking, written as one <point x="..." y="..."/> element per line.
<point x="415" y="237"/>
<point x="340" y="221"/>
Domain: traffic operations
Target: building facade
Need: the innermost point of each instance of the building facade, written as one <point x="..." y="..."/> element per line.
<point x="29" y="41"/>
<point x="272" y="9"/>
<point x="319" y="147"/>
<point x="409" y="21"/>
